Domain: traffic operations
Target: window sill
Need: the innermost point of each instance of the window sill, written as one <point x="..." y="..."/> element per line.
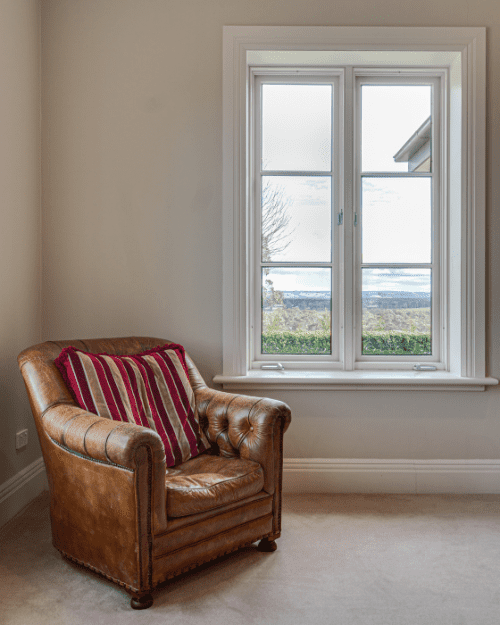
<point x="353" y="381"/>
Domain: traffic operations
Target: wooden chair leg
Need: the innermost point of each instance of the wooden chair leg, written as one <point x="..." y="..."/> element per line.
<point x="141" y="602"/>
<point x="267" y="545"/>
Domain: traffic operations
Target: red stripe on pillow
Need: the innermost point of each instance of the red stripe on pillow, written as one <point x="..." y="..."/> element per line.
<point x="80" y="384"/>
<point x="182" y="357"/>
<point x="195" y="427"/>
<point x="110" y="379"/>
<point x="162" y="410"/>
<point x="171" y="347"/>
<point x="71" y="378"/>
<point x="133" y="392"/>
<point x="105" y="387"/>
<point x="163" y="426"/>
<point x="178" y="394"/>
<point x="182" y="408"/>
<point x="165" y="360"/>
<point x="139" y="413"/>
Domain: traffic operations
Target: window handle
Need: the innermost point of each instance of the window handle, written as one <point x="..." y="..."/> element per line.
<point x="277" y="366"/>
<point x="425" y="368"/>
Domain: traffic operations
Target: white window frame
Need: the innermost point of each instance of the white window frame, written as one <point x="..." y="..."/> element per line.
<point x="461" y="52"/>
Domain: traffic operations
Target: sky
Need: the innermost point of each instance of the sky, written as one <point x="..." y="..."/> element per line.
<point x="396" y="212"/>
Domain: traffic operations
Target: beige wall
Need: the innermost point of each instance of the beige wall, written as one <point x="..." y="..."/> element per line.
<point x="132" y="201"/>
<point x="19" y="220"/>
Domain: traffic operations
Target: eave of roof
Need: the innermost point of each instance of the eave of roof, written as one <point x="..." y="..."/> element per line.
<point x="414" y="143"/>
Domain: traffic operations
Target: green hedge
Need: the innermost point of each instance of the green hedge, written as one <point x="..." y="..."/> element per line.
<point x="396" y="343"/>
<point x="374" y="343"/>
<point x="301" y="342"/>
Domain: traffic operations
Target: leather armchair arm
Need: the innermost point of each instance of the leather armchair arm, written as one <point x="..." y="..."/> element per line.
<point x="99" y="438"/>
<point x="125" y="445"/>
<point x="248" y="427"/>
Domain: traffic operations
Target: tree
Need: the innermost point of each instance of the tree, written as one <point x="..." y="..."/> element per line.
<point x="270" y="296"/>
<point x="275" y="221"/>
<point x="275" y="235"/>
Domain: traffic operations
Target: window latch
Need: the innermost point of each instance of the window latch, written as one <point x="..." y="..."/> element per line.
<point x="276" y="366"/>
<point x="340" y="218"/>
<point x="425" y="368"/>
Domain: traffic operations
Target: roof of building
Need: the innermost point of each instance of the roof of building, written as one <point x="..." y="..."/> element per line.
<point x="414" y="143"/>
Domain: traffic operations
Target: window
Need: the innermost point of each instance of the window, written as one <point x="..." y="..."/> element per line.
<point x="354" y="197"/>
<point x="302" y="208"/>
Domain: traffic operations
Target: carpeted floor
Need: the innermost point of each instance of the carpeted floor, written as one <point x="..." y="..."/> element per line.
<point x="342" y="559"/>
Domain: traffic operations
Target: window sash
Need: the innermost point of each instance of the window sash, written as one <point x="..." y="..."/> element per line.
<point x="293" y="361"/>
<point x="438" y="264"/>
<point x="345" y="263"/>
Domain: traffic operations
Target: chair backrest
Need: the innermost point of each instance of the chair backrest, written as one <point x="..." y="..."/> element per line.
<point x="43" y="381"/>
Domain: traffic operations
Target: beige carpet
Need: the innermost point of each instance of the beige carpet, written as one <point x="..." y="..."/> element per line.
<point x="342" y="559"/>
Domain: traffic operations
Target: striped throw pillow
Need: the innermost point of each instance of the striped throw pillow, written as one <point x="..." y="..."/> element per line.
<point x="150" y="389"/>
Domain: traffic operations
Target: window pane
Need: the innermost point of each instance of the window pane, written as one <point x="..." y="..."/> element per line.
<point x="396" y="311"/>
<point x="396" y="220"/>
<point x="296" y="219"/>
<point x="296" y="310"/>
<point x="296" y="127"/>
<point x="396" y="127"/>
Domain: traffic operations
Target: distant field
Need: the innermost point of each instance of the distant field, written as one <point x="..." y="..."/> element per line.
<point x="403" y="331"/>
<point x="414" y="320"/>
<point x="295" y="320"/>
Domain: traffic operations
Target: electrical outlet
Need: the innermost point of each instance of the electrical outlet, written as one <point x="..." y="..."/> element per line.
<point x="21" y="439"/>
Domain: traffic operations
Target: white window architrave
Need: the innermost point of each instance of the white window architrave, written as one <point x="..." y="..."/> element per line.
<point x="461" y="52"/>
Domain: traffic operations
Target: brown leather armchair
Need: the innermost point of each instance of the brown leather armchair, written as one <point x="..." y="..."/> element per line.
<point x="114" y="506"/>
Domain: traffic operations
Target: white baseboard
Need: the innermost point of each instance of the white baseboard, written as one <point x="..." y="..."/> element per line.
<point x="324" y="475"/>
<point x="21" y="489"/>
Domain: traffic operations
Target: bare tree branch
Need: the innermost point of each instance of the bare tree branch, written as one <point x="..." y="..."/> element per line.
<point x="275" y="221"/>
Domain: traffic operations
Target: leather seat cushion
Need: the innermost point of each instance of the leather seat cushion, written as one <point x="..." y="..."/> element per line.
<point x="207" y="482"/>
